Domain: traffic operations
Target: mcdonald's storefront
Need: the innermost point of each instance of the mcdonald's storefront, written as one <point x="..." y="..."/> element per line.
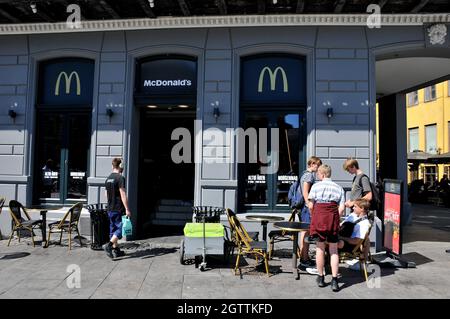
<point x="80" y="99"/>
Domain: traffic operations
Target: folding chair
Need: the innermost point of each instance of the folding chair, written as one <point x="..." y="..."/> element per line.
<point x="232" y="240"/>
<point x="247" y="246"/>
<point x="361" y="252"/>
<point x="67" y="224"/>
<point x="19" y="223"/>
<point x="279" y="235"/>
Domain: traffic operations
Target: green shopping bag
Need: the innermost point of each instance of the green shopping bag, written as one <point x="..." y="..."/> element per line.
<point x="127" y="227"/>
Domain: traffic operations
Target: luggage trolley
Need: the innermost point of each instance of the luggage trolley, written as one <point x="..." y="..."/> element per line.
<point x="204" y="236"/>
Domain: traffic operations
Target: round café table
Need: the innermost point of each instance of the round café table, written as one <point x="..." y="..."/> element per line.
<point x="295" y="228"/>
<point x="264" y="219"/>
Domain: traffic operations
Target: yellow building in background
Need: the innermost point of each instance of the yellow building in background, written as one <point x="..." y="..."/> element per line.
<point x="428" y="123"/>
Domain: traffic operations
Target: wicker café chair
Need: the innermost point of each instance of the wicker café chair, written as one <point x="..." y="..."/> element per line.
<point x="278" y="235"/>
<point x="69" y="224"/>
<point x="232" y="238"/>
<point x="361" y="252"/>
<point x="19" y="223"/>
<point x="247" y="246"/>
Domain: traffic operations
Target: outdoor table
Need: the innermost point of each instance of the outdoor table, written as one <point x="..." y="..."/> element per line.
<point x="264" y="219"/>
<point x="43" y="212"/>
<point x="295" y="228"/>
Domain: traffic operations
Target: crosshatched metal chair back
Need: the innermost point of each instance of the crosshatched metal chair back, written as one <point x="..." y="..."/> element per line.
<point x="21" y="223"/>
<point x="72" y="215"/>
<point x="16" y="209"/>
<point x="210" y="214"/>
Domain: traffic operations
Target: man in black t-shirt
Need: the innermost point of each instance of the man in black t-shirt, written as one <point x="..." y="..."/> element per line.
<point x="117" y="206"/>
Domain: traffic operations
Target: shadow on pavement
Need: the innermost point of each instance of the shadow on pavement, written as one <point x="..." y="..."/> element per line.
<point x="14" y="255"/>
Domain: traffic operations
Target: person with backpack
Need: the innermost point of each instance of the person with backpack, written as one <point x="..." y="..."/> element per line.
<point x="307" y="179"/>
<point x="361" y="186"/>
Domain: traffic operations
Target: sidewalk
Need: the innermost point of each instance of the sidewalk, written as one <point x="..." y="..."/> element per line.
<point x="152" y="269"/>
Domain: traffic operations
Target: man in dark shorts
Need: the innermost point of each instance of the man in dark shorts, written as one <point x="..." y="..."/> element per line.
<point x="326" y="203"/>
<point x="307" y="179"/>
<point x="117" y="206"/>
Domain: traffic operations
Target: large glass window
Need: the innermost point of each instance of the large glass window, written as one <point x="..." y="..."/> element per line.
<point x="430" y="93"/>
<point x="413" y="139"/>
<point x="430" y="175"/>
<point x="63" y="130"/>
<point x="63" y="156"/>
<point x="430" y="139"/>
<point x="267" y="185"/>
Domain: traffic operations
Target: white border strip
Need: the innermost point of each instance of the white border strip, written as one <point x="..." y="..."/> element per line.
<point x="225" y="21"/>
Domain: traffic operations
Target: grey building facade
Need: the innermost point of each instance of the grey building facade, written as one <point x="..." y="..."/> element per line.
<point x="340" y="64"/>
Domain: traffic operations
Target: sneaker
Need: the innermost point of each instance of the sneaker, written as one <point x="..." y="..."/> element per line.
<point x="355" y="266"/>
<point x="312" y="271"/>
<point x="320" y="280"/>
<point x="108" y="250"/>
<point x="116" y="252"/>
<point x="352" y="262"/>
<point x="334" y="284"/>
<point x="307" y="263"/>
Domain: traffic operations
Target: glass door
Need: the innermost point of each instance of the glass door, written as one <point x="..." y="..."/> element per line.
<point x="264" y="188"/>
<point x="63" y="143"/>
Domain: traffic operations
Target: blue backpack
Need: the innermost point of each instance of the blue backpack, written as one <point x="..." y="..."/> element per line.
<point x="295" y="198"/>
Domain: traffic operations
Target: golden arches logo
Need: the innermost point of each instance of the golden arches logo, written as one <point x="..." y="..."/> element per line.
<point x="273" y="78"/>
<point x="68" y="81"/>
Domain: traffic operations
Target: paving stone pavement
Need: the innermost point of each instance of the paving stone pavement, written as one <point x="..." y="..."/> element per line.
<point x="151" y="269"/>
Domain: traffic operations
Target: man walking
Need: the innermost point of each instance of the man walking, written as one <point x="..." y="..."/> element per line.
<point x="117" y="205"/>
<point x="361" y="183"/>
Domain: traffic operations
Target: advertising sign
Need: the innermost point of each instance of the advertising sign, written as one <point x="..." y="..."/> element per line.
<point x="67" y="81"/>
<point x="273" y="78"/>
<point x="392" y="240"/>
<point x="170" y="75"/>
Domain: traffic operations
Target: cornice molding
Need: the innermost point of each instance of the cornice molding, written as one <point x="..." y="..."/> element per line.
<point x="226" y="21"/>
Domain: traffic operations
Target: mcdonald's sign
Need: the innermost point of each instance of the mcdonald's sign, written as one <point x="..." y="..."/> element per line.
<point x="68" y="81"/>
<point x="273" y="78"/>
<point x="278" y="78"/>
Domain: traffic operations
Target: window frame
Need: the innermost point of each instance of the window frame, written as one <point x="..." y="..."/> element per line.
<point x="429" y="89"/>
<point x="409" y="138"/>
<point x="426" y="139"/>
<point x="416" y="98"/>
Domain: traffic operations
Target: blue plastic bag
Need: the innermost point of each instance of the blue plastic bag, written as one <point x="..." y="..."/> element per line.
<point x="127" y="227"/>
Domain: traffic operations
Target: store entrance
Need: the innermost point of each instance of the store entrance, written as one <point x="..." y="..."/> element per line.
<point x="166" y="189"/>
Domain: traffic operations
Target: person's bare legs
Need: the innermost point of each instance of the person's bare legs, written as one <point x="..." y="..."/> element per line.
<point x="334" y="259"/>
<point x="304" y="247"/>
<point x="114" y="240"/>
<point x="320" y="257"/>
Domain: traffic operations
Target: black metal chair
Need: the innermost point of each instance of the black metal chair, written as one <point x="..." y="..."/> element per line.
<point x="19" y="223"/>
<point x="278" y="235"/>
<point x="67" y="224"/>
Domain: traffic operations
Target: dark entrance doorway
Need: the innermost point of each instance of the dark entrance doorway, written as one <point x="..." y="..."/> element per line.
<point x="166" y="189"/>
